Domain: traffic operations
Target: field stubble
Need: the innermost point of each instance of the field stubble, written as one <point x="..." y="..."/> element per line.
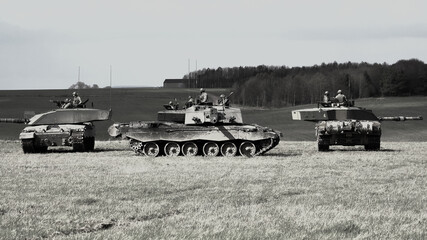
<point x="292" y="192"/>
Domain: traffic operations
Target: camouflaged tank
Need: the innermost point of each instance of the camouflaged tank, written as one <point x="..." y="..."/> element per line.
<point x="60" y="127"/>
<point x="346" y="125"/>
<point x="208" y="130"/>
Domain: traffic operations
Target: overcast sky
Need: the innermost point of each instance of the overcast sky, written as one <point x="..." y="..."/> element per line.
<point x="43" y="42"/>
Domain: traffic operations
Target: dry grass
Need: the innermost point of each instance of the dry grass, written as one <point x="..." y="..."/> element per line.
<point x="293" y="192"/>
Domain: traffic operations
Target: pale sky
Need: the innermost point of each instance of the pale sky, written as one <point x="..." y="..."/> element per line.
<point x="43" y="42"/>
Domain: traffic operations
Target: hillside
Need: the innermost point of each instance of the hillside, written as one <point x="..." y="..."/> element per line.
<point x="143" y="104"/>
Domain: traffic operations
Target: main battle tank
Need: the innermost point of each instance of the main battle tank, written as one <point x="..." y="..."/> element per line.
<point x="60" y="127"/>
<point x="206" y="130"/>
<point x="346" y="125"/>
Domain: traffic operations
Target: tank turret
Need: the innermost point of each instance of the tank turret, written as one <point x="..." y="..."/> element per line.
<point x="60" y="127"/>
<point x="346" y="125"/>
<point x="207" y="130"/>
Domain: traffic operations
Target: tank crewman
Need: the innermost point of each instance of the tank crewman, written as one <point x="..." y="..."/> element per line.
<point x="190" y="102"/>
<point x="175" y="104"/>
<point x="76" y="99"/>
<point x="223" y="101"/>
<point x="66" y="103"/>
<point x="203" y="98"/>
<point x="341" y="98"/>
<point x="326" y="100"/>
<point x="172" y="105"/>
<point x="75" y="102"/>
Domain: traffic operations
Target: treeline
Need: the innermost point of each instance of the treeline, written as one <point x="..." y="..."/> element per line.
<point x="273" y="86"/>
<point x="82" y="85"/>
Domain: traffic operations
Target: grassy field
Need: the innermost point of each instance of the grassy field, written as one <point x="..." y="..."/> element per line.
<point x="143" y="104"/>
<point x="293" y="192"/>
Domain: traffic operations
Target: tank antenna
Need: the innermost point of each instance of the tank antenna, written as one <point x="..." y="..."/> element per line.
<point x="111" y="82"/>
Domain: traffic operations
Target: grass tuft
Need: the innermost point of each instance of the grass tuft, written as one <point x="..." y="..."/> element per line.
<point x="86" y="201"/>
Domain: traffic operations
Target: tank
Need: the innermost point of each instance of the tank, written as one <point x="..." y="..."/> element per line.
<point x="208" y="130"/>
<point x="346" y="125"/>
<point x="60" y="127"/>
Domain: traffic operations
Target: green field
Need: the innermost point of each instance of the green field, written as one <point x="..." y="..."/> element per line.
<point x="143" y="104"/>
<point x="293" y="192"/>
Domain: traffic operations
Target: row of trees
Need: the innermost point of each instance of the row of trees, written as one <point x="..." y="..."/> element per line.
<point x="273" y="86"/>
<point x="82" y="85"/>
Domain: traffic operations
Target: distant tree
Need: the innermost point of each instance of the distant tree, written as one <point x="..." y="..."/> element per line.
<point x="82" y="85"/>
<point x="280" y="85"/>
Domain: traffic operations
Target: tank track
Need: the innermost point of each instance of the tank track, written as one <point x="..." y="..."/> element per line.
<point x="84" y="145"/>
<point x="205" y="148"/>
<point x="29" y="146"/>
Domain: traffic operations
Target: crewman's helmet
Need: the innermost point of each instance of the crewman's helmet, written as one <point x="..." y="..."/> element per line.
<point x="170" y="103"/>
<point x="222" y="96"/>
<point x="339" y="92"/>
<point x="326" y="93"/>
<point x="202" y="90"/>
<point x="75" y="94"/>
<point x="189" y="97"/>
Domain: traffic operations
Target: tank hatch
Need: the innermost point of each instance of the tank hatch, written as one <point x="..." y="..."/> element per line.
<point x="70" y="116"/>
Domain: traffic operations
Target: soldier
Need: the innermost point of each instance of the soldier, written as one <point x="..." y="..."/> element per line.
<point x="66" y="103"/>
<point x="341" y="98"/>
<point x="223" y="101"/>
<point x="171" y="105"/>
<point x="175" y="104"/>
<point x="326" y="100"/>
<point x="76" y="99"/>
<point x="203" y="98"/>
<point x="190" y="102"/>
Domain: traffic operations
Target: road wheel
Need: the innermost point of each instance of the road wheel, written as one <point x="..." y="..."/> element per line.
<point x="247" y="149"/>
<point x="151" y="149"/>
<point x="136" y="146"/>
<point x="172" y="149"/>
<point x="228" y="149"/>
<point x="210" y="149"/>
<point x="190" y="149"/>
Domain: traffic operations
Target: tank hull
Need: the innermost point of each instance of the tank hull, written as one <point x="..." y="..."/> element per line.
<point x="348" y="133"/>
<point x="208" y="140"/>
<point x="37" y="139"/>
<point x="346" y="125"/>
<point x="60" y="127"/>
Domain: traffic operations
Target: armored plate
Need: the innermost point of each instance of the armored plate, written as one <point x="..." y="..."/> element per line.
<point x="333" y="113"/>
<point x="70" y="116"/>
<point x="200" y="129"/>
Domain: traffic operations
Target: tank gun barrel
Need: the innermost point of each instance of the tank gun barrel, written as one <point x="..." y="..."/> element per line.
<point x="13" y="120"/>
<point x="399" y="118"/>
